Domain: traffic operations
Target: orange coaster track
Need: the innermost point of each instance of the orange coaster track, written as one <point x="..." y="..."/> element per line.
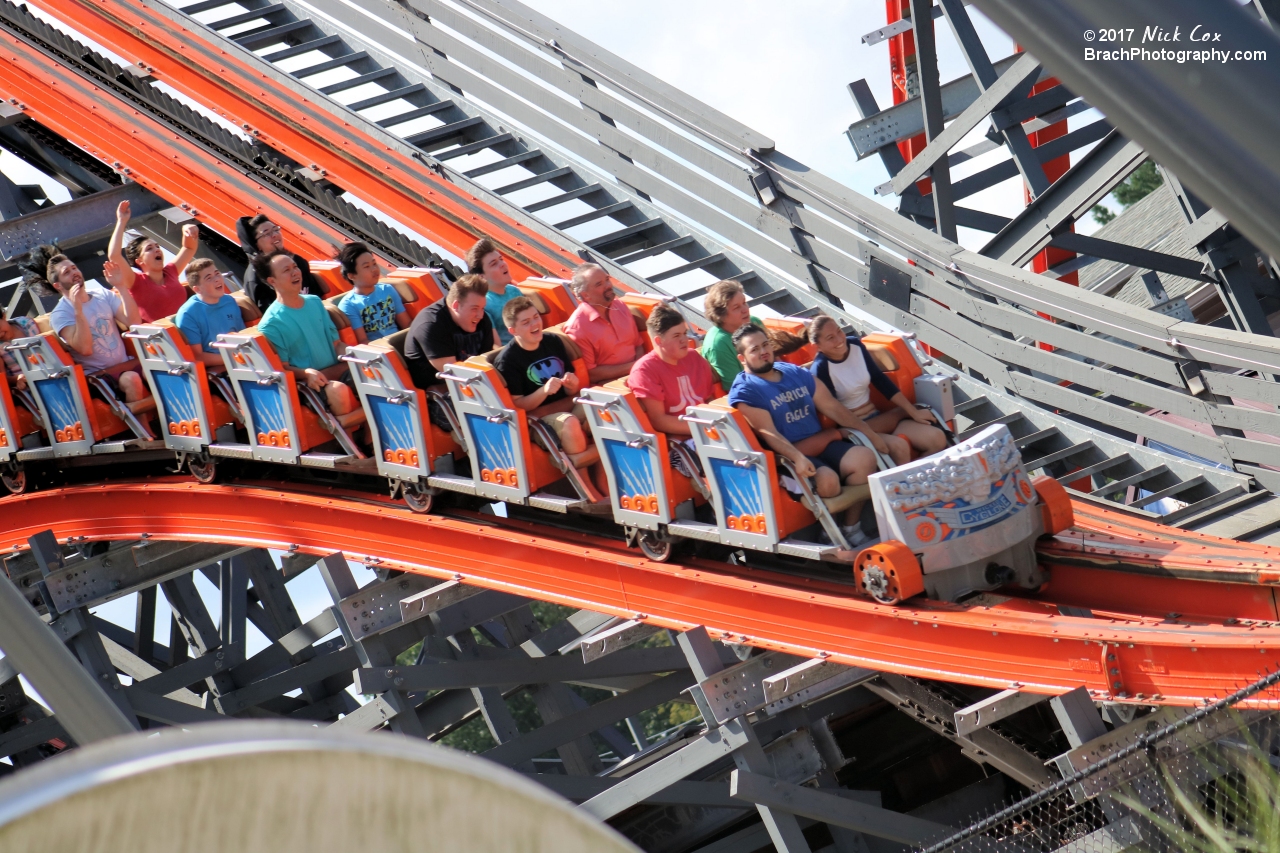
<point x="380" y="169"/>
<point x="994" y="641"/>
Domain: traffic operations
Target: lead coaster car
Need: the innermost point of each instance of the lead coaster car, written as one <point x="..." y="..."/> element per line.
<point x="960" y="521"/>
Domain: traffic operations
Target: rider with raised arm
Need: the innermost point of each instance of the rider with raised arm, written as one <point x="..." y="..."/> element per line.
<point x="86" y="317"/>
<point x="782" y="401"/>
<point x="154" y="285"/>
<point x="849" y="372"/>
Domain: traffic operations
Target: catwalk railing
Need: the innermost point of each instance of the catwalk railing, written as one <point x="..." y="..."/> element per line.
<point x="1169" y="781"/>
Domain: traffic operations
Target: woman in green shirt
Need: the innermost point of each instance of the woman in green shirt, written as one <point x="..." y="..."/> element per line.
<point x="726" y="308"/>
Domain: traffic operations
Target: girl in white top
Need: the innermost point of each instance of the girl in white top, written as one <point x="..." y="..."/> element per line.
<point x="849" y="372"/>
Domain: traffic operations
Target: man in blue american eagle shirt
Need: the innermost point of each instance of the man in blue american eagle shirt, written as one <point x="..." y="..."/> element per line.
<point x="782" y="401"/>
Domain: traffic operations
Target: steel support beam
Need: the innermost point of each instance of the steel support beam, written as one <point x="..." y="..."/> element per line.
<point x="1131" y="255"/>
<point x="604" y="713"/>
<point x="494" y="673"/>
<point x="905" y="120"/>
<point x="75" y="222"/>
<point x="938" y="714"/>
<point x="944" y="216"/>
<point x="832" y="809"/>
<point x="1238" y="284"/>
<point x="704" y="660"/>
<point x="1217" y="132"/>
<point x="1071" y="196"/>
<point x="995" y="95"/>
<point x="82" y="708"/>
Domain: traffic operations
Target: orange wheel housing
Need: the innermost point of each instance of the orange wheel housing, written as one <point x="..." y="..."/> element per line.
<point x="1055" y="505"/>
<point x="888" y="572"/>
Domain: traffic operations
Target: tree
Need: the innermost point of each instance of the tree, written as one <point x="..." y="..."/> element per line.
<point x="1137" y="186"/>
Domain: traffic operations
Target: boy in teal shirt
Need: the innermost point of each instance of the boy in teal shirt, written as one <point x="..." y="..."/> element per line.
<point x="485" y="259"/>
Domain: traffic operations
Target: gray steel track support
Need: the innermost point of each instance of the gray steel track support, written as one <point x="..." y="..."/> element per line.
<point x="944" y="215"/>
<point x="75" y="222"/>
<point x="1216" y="134"/>
<point x="1232" y="260"/>
<point x="1071" y="196"/>
<point x="705" y="662"/>
<point x="1078" y="717"/>
<point x="996" y="94"/>
<point x="983" y="746"/>
<point x="587" y="720"/>
<point x="371" y="652"/>
<point x="905" y="120"/>
<point x="82" y="707"/>
<point x="833" y="809"/>
<point x="1015" y="138"/>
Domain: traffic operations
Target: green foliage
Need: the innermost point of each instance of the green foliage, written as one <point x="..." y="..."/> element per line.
<point x="1138" y="185"/>
<point x="1235" y="813"/>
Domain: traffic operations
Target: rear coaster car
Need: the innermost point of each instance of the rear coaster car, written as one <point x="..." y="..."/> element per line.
<point x="74" y="423"/>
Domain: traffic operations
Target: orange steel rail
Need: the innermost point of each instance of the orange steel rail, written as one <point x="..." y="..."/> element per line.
<point x="387" y="177"/>
<point x="146" y="151"/>
<point x="994" y="641"/>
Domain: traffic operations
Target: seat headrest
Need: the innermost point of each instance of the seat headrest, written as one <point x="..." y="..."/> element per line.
<point x="397" y="340"/>
<point x="248" y="310"/>
<point x="339" y="317"/>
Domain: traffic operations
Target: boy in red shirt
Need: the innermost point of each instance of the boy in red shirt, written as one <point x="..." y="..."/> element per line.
<point x="672" y="377"/>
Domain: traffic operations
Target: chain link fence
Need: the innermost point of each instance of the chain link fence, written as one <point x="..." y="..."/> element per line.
<point x="1207" y="780"/>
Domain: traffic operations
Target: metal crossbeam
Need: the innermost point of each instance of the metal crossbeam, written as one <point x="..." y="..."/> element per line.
<point x="944" y="216"/>
<point x="833" y="809"/>
<point x="86" y="712"/>
<point x="1197" y="130"/>
<point x="1010" y="84"/>
<point x="1070" y="197"/>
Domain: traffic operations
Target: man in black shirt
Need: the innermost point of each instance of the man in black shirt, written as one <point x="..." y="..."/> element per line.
<point x="260" y="236"/>
<point x="541" y="380"/>
<point x="453" y="329"/>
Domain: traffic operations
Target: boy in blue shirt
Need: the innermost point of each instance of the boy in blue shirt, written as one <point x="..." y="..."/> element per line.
<point x="211" y="312"/>
<point x="484" y="259"/>
<point x="782" y="401"/>
<point x="302" y="333"/>
<point x="375" y="310"/>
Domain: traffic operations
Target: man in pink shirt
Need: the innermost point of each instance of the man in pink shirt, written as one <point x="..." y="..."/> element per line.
<point x="602" y="326"/>
<point x="154" y="285"/>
